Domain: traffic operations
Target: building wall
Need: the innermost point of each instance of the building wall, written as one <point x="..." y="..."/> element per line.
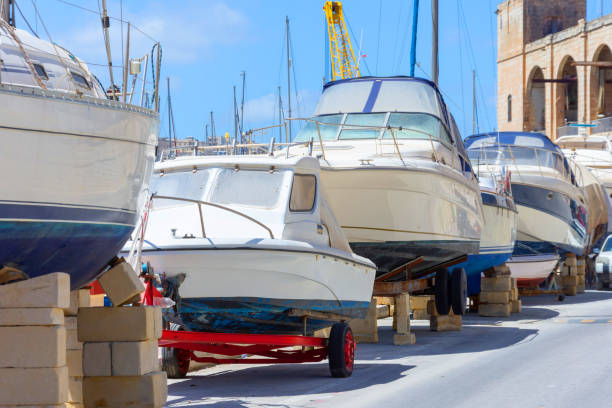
<point x="520" y="21"/>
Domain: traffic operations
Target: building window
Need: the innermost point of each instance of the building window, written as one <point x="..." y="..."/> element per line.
<point x="509" y="108"/>
<point x="40" y="70"/>
<point x="552" y="25"/>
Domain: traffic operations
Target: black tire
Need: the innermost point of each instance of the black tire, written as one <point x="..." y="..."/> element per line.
<point x="458" y="291"/>
<point x="341" y="350"/>
<point x="441" y="291"/>
<point x="175" y="362"/>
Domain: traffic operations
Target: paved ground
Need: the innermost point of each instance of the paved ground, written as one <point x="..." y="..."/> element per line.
<point x="554" y="354"/>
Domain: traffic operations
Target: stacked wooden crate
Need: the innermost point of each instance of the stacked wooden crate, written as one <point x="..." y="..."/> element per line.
<point x="33" y="370"/>
<point x="569" y="276"/>
<point x="398" y="306"/>
<point x="496" y="293"/>
<point x="366" y="330"/>
<point x="437" y="322"/>
<point x="581" y="269"/>
<point x="516" y="302"/>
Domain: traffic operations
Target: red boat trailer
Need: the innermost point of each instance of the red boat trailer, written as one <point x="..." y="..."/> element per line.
<point x="179" y="347"/>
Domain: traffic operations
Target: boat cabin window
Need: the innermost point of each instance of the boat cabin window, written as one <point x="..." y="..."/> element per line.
<point x="416" y="126"/>
<point x="249" y="188"/>
<point x="303" y="192"/>
<point x="328" y="127"/>
<point x="180" y="184"/>
<point x="40" y="70"/>
<point x="360" y="122"/>
<point x="80" y="80"/>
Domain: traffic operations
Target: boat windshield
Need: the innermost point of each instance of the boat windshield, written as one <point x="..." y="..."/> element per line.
<point x="327" y="128"/>
<point x="516" y="155"/>
<point x="355" y="125"/>
<point x="249" y="188"/>
<point x="416" y="126"/>
<point x="487" y="155"/>
<point x="180" y="184"/>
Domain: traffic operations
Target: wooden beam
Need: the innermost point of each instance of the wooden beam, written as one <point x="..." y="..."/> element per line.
<point x="396" y="288"/>
<point x="402" y="268"/>
<point x="599" y="64"/>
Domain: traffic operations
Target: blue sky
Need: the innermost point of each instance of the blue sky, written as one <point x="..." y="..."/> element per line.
<point x="208" y="43"/>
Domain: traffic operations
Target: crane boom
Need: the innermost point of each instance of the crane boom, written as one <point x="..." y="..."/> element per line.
<point x="343" y="62"/>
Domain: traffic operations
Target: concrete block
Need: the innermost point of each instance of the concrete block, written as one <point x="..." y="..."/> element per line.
<point x="514" y="294"/>
<point x="32" y="346"/>
<point x="148" y="391"/>
<point x="569" y="281"/>
<point x="569" y="271"/>
<point x="514" y="283"/>
<point x="581" y="280"/>
<point x="570" y="260"/>
<point x="120" y="323"/>
<point x="75" y="389"/>
<point x="121" y="284"/>
<point x="495" y="297"/>
<point x="34" y="386"/>
<point x="496" y="284"/>
<point x="402" y="313"/>
<point x="366" y="330"/>
<point x="72" y="340"/>
<point x="49" y="291"/>
<point x="420" y="315"/>
<point x="570" y="290"/>
<point x="517" y="306"/>
<point x="580" y="288"/>
<point x="32" y="317"/>
<point x="70" y="322"/>
<point x="78" y="298"/>
<point x="74" y="362"/>
<point x="448" y="322"/>
<point x="494" y="310"/>
<point x="404" y="339"/>
<point x="134" y="357"/>
<point x="419" y="302"/>
<point x="97" y="359"/>
<point x="431" y="308"/>
<point x="96" y="300"/>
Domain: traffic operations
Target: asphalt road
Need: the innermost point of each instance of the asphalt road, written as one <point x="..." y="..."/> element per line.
<point x="553" y="354"/>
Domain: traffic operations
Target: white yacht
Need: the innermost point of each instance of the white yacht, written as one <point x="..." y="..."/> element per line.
<point x="248" y="244"/>
<point x="76" y="165"/>
<point x="552" y="208"/>
<point x="395" y="172"/>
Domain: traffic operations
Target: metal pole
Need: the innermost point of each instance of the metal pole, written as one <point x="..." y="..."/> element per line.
<point x="473" y="102"/>
<point x="434" y="40"/>
<point x="280" y="115"/>
<point x="288" y="80"/>
<point x="169" y="115"/>
<point x="235" y="115"/>
<point x="4" y="10"/>
<point x="144" y="79"/>
<point x="212" y="128"/>
<point x="105" y="26"/>
<point x="415" y="21"/>
<point x="242" y="106"/>
<point x="126" y="64"/>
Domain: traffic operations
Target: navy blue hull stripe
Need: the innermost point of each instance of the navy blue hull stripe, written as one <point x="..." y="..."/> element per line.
<point x="39" y="212"/>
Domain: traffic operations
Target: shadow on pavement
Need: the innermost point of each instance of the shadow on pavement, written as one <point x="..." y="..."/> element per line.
<point x="528" y="312"/>
<point x="221" y="389"/>
<point x="586" y="297"/>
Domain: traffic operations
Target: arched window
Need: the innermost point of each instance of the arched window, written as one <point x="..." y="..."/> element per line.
<point x="509" y="108"/>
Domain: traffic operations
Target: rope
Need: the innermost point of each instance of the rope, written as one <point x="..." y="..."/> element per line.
<point x="26" y="20"/>
<point x="11" y="31"/>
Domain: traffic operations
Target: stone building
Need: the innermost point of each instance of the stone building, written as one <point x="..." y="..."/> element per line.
<point x="554" y="67"/>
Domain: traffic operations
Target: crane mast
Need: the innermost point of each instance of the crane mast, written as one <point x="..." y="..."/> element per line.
<point x="343" y="62"/>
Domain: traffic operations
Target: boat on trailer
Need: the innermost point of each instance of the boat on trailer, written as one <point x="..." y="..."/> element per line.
<point x="552" y="218"/>
<point x="79" y="163"/>
<point x="396" y="174"/>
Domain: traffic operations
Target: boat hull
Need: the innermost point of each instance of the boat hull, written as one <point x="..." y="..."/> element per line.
<point x="393" y="215"/>
<point x="79" y="173"/>
<point x="253" y="290"/>
<point x="531" y="271"/>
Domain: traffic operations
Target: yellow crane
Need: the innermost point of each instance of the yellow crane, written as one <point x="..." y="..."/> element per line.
<point x="343" y="62"/>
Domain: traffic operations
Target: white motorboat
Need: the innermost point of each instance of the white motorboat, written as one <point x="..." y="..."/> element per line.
<point x="395" y="172"/>
<point x="248" y="244"/>
<point x="552" y="208"/>
<point x="77" y="165"/>
<point x="532" y="270"/>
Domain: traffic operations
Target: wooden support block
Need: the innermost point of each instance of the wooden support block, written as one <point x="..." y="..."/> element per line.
<point x="48" y="291"/>
<point x="569" y="281"/>
<point x="382" y="311"/>
<point x="78" y="298"/>
<point x="494" y="310"/>
<point x="33" y="386"/>
<point x="97" y="359"/>
<point x="570" y="260"/>
<point x="514" y="294"/>
<point x="404" y="339"/>
<point x="419" y="302"/>
<point x="514" y="283"/>
<point x="32" y="346"/>
<point x="495" y="297"/>
<point x="431" y="308"/>
<point x="402" y="313"/>
<point x="72" y="340"/>
<point x="75" y="389"/>
<point x="448" y="322"/>
<point x="569" y="270"/>
<point x="96" y="300"/>
<point x="121" y="284"/>
<point x="131" y="358"/>
<point x="420" y="315"/>
<point x="517" y="306"/>
<point x="570" y="290"/>
<point x="581" y="280"/>
<point x="496" y="284"/>
<point x="32" y="317"/>
<point x="120" y="323"/>
<point x="74" y="362"/>
<point x="323" y="333"/>
<point x="385" y="300"/>
<point x="366" y="330"/>
<point x="148" y="391"/>
<point x="580" y="288"/>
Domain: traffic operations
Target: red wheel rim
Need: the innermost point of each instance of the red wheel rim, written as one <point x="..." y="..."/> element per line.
<point x="183" y="357"/>
<point x="349" y="350"/>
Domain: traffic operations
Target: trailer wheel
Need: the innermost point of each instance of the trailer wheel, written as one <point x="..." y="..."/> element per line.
<point x="441" y="291"/>
<point x="175" y="362"/>
<point x="341" y="350"/>
<point x="458" y="291"/>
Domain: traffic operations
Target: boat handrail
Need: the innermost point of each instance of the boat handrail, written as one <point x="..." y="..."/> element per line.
<point x="222" y="207"/>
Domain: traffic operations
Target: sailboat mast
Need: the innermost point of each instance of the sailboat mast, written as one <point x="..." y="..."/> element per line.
<point x="473" y="102"/>
<point x="235" y="117"/>
<point x="242" y="105"/>
<point x="415" y="26"/>
<point x="280" y="115"/>
<point x="288" y="80"/>
<point x="212" y="128"/>
<point x="434" y="41"/>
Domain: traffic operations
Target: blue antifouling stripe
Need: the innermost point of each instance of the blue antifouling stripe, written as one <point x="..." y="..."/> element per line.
<point x="372" y="97"/>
